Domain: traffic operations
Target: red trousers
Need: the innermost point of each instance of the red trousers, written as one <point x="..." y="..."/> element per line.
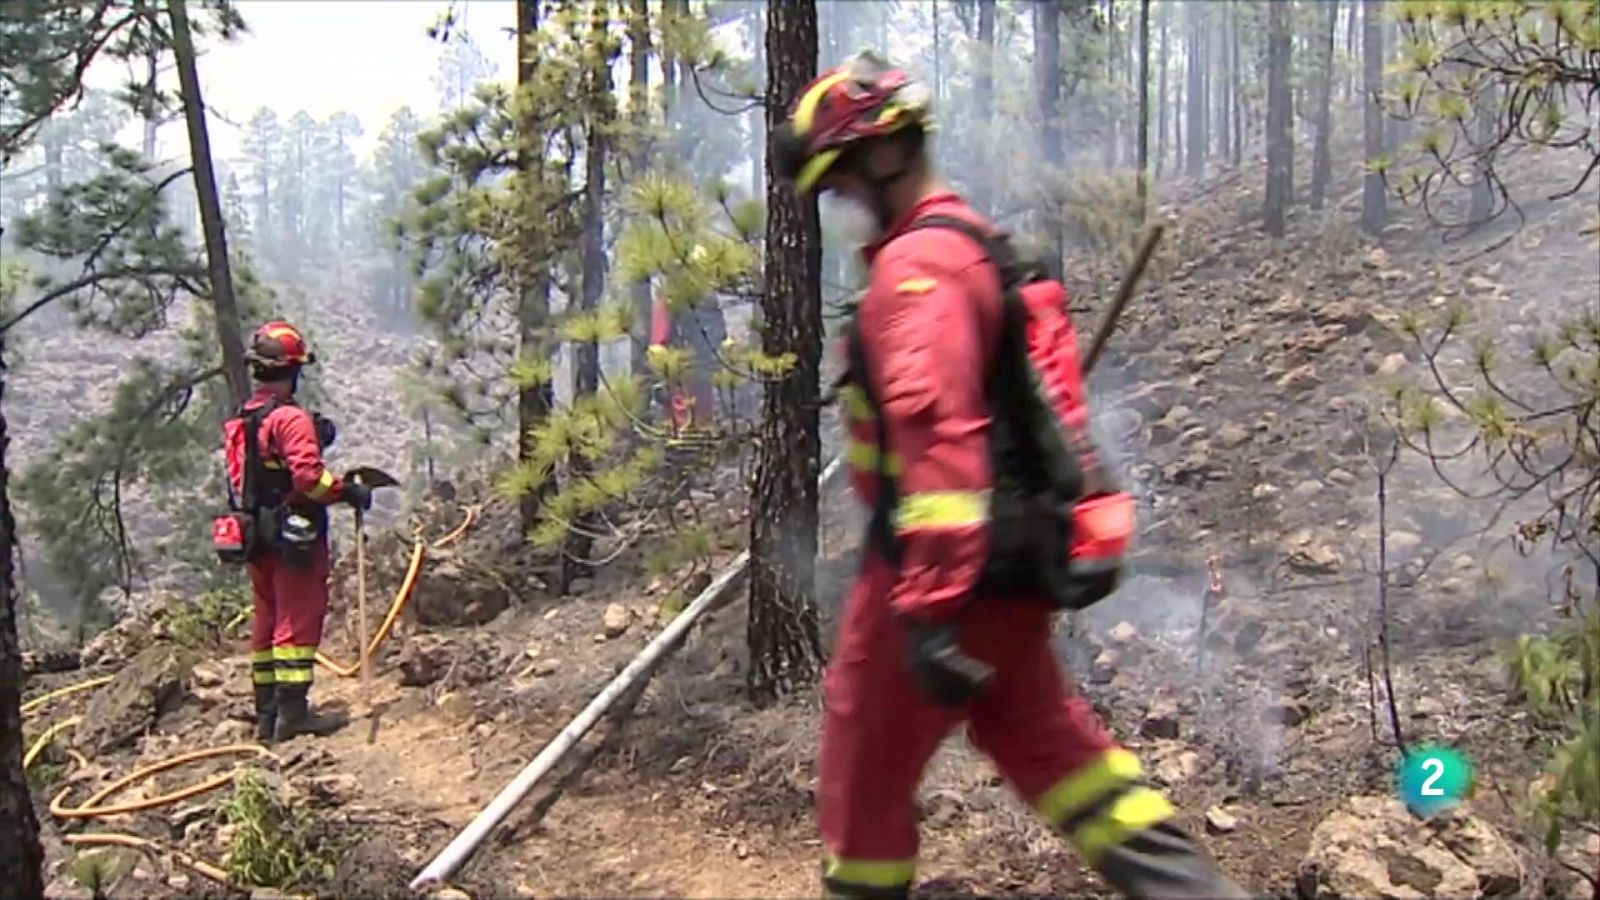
<point x="880" y="731"/>
<point x="290" y="603"/>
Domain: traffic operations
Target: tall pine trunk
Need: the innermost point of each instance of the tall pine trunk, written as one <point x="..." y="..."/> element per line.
<point x="784" y="640"/>
<point x="1322" y="161"/>
<point x="1236" y="79"/>
<point x="1143" y="159"/>
<point x="1161" y="89"/>
<point x="1374" y="202"/>
<point x="535" y="401"/>
<point x="21" y="856"/>
<point x="1280" y="119"/>
<point x="1047" y="56"/>
<point x="592" y="285"/>
<point x="639" y="112"/>
<point x="229" y="333"/>
<point x="1195" y="89"/>
<point x="983" y="108"/>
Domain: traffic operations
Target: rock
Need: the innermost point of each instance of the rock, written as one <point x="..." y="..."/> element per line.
<point x="232" y="731"/>
<point x="1307" y="489"/>
<point x="1160" y="721"/>
<point x="1286" y="712"/>
<point x="136" y="698"/>
<point x="616" y="620"/>
<point x="448" y="594"/>
<point x="1231" y="436"/>
<point x="1301" y="378"/>
<point x="1317" y="559"/>
<point x="421" y="664"/>
<point x="334" y="789"/>
<point x="1392" y="365"/>
<point x="1403" y="543"/>
<point x="1174" y="769"/>
<point x="1263" y="492"/>
<point x="372" y="868"/>
<point x="448" y="893"/>
<point x="546" y="667"/>
<point x="1206" y="358"/>
<point x="1372" y="847"/>
<point x="207" y="675"/>
<point x="1123" y="633"/>
<point x="1427" y="706"/>
<point x="1341" y="478"/>
<point x="1220" y="821"/>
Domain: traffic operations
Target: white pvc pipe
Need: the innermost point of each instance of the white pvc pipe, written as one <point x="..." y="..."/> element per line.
<point x="456" y="852"/>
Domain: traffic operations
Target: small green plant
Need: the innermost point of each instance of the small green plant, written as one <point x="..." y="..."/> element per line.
<point x="277" y="845"/>
<point x="100" y="869"/>
<point x="205" y="619"/>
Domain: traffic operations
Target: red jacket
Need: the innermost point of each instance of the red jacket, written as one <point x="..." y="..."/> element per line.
<point x="287" y="437"/>
<point x="929" y="325"/>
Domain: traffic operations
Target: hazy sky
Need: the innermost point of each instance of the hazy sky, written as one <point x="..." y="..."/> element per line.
<point x="367" y="57"/>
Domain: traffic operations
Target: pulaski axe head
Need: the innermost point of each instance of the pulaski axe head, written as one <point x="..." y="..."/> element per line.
<point x="372" y="477"/>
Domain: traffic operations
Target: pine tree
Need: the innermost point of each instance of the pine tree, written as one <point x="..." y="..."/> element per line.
<point x="785" y="646"/>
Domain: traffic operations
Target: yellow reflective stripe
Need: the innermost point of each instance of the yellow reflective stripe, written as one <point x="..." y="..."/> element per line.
<point x="261" y="656"/>
<point x="295" y="676"/>
<point x="294" y="654"/>
<point x="916" y="286"/>
<point x="805" y="111"/>
<point x="1115" y="768"/>
<point x="271" y="464"/>
<point x="865" y="457"/>
<point x="322" y="487"/>
<point x="854" y="401"/>
<point x="877" y="873"/>
<point x="942" y="509"/>
<point x="1133" y="812"/>
<point x="264" y="676"/>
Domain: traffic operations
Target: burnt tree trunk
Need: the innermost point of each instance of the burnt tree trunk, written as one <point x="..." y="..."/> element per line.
<point x="1143" y="149"/>
<point x="1322" y="160"/>
<point x="1236" y="81"/>
<point x="1047" y="55"/>
<point x="586" y="355"/>
<point x="1195" y="89"/>
<point x="983" y="109"/>
<point x="1374" y="202"/>
<point x="1280" y="120"/>
<point x="784" y="641"/>
<point x="21" y="856"/>
<point x="535" y="401"/>
<point x="229" y="333"/>
<point x="639" y="112"/>
<point x="1161" y="89"/>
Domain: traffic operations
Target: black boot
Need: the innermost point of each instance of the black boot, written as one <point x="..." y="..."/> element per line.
<point x="296" y="718"/>
<point x="1162" y="861"/>
<point x="266" y="711"/>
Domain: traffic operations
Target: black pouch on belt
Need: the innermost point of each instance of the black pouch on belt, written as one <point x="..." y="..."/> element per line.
<point x="298" y="532"/>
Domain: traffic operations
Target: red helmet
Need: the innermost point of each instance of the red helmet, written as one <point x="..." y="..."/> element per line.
<point x="278" y="345"/>
<point x="863" y="98"/>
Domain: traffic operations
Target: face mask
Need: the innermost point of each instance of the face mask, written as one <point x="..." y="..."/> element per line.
<point x="852" y="222"/>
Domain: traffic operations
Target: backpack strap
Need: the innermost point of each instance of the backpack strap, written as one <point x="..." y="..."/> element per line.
<point x="1014" y="270"/>
<point x="255" y="470"/>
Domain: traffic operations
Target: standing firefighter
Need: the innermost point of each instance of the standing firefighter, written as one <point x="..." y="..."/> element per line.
<point x="968" y="429"/>
<point x="279" y="491"/>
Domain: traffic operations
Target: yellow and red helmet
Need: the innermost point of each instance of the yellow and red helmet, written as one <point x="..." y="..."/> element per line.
<point x="278" y="345"/>
<point x="863" y="99"/>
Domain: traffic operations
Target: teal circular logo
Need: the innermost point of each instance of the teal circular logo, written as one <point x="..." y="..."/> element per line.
<point x="1434" y="778"/>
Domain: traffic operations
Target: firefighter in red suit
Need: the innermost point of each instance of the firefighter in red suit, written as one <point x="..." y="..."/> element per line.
<point x="918" y="654"/>
<point x="287" y="487"/>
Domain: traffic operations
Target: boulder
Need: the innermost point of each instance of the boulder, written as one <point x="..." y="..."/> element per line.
<point x="1372" y="847"/>
<point x="616" y="620"/>
<point x="447" y="594"/>
<point x="137" y="696"/>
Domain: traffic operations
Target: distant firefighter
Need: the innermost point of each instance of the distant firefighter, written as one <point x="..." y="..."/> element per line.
<point x="701" y="330"/>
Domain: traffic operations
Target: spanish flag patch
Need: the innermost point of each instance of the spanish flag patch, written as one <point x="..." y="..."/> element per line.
<point x="916" y="286"/>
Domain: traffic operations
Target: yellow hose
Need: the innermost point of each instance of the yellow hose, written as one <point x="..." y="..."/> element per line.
<point x="89" y="809"/>
<point x="401" y="598"/>
<point x="138" y="843"/>
<point x="45" y="739"/>
<point x="38" y="702"/>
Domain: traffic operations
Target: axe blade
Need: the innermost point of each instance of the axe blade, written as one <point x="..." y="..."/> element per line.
<point x="372" y="477"/>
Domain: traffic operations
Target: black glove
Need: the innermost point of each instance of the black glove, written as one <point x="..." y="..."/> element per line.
<point x="946" y="675"/>
<point x="326" y="432"/>
<point x="357" y="494"/>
